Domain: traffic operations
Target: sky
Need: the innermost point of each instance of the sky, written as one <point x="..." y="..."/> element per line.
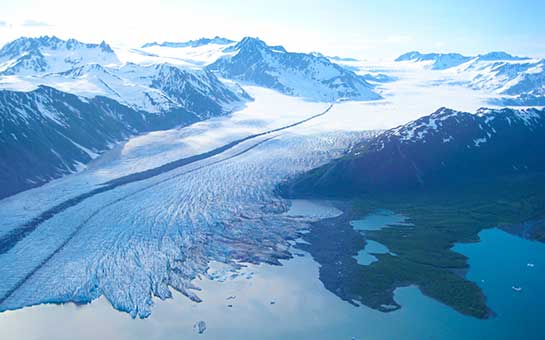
<point x="351" y="28"/>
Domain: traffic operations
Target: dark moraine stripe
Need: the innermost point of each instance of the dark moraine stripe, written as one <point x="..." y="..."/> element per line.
<point x="10" y="239"/>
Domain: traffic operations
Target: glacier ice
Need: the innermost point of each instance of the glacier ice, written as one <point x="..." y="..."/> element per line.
<point x="141" y="240"/>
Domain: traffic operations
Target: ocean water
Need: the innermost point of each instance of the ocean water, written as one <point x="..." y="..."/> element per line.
<point x="289" y="302"/>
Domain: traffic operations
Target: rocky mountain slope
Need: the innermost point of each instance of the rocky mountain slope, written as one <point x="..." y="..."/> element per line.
<point x="47" y="133"/>
<point x="62" y="102"/>
<point x="445" y="147"/>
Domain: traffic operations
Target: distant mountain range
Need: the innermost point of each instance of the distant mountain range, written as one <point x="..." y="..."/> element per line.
<point x="445" y="147"/>
<point x="438" y="61"/>
<point x="520" y="81"/>
<point x="441" y="61"/>
<point x="27" y="56"/>
<point x="192" y="43"/>
<point x="251" y="61"/>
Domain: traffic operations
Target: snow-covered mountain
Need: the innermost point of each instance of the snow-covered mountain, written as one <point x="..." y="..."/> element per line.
<point x="94" y="70"/>
<point x="517" y="81"/>
<point x="514" y="80"/>
<point x="498" y="55"/>
<point x="435" y="61"/>
<point x="442" y="61"/>
<point x="378" y="78"/>
<point x="153" y="88"/>
<point x="194" y="53"/>
<point x="311" y="76"/>
<point x="192" y="43"/>
<point x="443" y="148"/>
<point x="58" y="95"/>
<point x="47" y="133"/>
<point x="50" y="54"/>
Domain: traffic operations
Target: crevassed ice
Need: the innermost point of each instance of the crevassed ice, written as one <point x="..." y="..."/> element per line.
<point x="141" y="240"/>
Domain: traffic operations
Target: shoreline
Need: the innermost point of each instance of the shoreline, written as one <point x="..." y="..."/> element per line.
<point x="342" y="223"/>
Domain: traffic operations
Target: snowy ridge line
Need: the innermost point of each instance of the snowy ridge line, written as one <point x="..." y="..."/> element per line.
<point x="94" y="213"/>
<point x="11" y="238"/>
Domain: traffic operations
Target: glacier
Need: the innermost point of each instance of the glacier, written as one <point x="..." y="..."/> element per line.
<point x="138" y="241"/>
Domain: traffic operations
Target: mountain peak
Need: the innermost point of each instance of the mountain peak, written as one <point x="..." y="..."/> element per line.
<point x="254" y="43"/>
<point x="105" y="47"/>
<point x="27" y="44"/>
<point x="409" y="56"/>
<point x="250" y="42"/>
<point x="417" y="56"/>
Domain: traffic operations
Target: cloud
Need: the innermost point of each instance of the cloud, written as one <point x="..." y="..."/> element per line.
<point x="34" y="23"/>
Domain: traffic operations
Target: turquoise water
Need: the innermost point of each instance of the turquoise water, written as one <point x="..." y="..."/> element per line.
<point x="365" y="256"/>
<point x="304" y="309"/>
<point x="499" y="262"/>
<point x="378" y="220"/>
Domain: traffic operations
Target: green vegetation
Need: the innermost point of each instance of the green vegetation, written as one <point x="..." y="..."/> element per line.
<point x="441" y="218"/>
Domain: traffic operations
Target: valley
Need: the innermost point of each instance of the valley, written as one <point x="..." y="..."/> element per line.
<point x="160" y="164"/>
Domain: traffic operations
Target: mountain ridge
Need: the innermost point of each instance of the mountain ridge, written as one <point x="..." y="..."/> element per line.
<point x="444" y="147"/>
<point x="47" y="133"/>
<point x="309" y="76"/>
<point x="191" y="43"/>
<point x="442" y="61"/>
<point x="65" y="102"/>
